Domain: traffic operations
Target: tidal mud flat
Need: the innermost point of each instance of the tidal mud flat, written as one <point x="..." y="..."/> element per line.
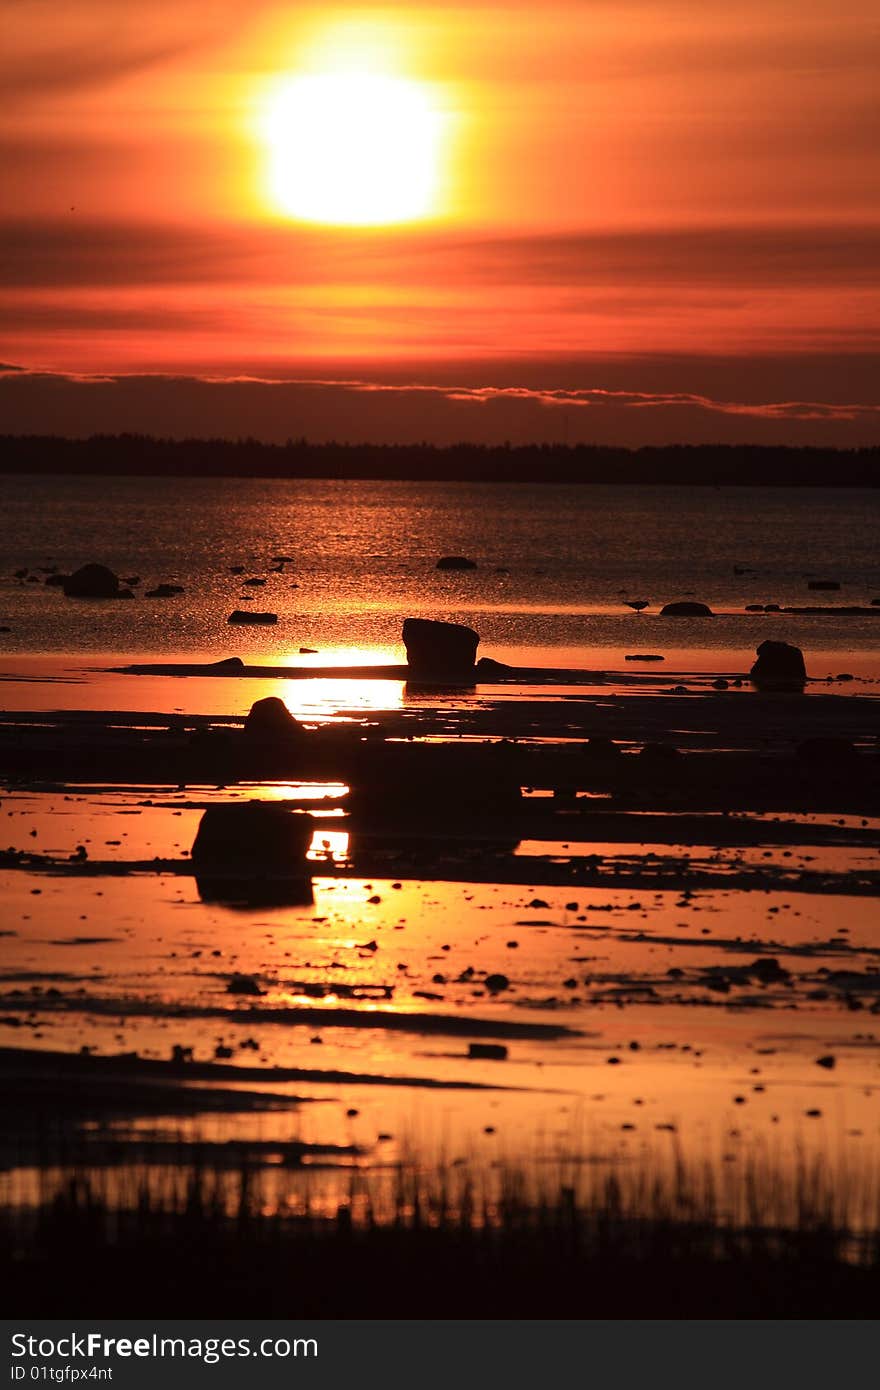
<point x="389" y="935"/>
<point x="570" y="931"/>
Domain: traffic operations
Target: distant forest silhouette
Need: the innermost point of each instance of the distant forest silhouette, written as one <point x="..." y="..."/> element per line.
<point x="712" y="465"/>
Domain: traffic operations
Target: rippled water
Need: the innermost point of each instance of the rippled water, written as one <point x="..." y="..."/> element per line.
<point x="556" y="565"/>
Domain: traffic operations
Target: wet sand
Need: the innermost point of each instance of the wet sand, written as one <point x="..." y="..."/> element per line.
<point x="683" y="951"/>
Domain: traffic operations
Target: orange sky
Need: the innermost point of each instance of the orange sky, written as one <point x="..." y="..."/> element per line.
<point x="625" y="181"/>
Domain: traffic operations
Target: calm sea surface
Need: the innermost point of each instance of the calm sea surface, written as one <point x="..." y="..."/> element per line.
<point x="556" y="566"/>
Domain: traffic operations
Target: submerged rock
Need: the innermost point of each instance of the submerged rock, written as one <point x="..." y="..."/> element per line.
<point x="93" y="581"/>
<point x="686" y="609"/>
<point x="439" y="651"/>
<point x="164" y="591"/>
<point x="455" y="562"/>
<point x="779" y="666"/>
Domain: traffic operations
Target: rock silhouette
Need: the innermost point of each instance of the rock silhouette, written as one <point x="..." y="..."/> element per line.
<point x="270" y="722"/>
<point x="686" y="609"/>
<point x="779" y="666"/>
<point x="242" y="615"/>
<point x="439" y="651"/>
<point x="253" y="854"/>
<point x="93" y="581"/>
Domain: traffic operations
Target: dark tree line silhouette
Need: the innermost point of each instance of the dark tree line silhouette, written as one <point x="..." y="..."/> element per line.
<point x="701" y="464"/>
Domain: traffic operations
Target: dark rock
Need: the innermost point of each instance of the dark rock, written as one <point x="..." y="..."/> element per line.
<point x="754" y="608"/>
<point x="495" y="984"/>
<point x="826" y="585"/>
<point x="253" y="853"/>
<point x="779" y="666"/>
<point x="228" y="663"/>
<point x="254" y="583"/>
<point x="270" y="721"/>
<point x="490" y="1052"/>
<point x="236" y="569"/>
<point x="164" y="591"/>
<point x="56" y="581"/>
<point x="644" y="656"/>
<point x="243" y="984"/>
<point x="92" y="581"/>
<point x="439" y="651"/>
<point x="721" y="683"/>
<point x="132" y="581"/>
<point x="768" y="970"/>
<point x="455" y="562"/>
<point x="242" y="615"/>
<point x="488" y="670"/>
<point x="772" y="608"/>
<point x="251" y="835"/>
<point x="829" y="1062"/>
<point x="686" y="609"/>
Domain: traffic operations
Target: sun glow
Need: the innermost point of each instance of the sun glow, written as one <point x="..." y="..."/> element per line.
<point x="353" y="148"/>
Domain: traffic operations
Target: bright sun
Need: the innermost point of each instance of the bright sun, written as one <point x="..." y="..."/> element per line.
<point x="357" y="149"/>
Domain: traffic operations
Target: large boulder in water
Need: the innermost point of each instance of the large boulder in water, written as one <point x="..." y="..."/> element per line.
<point x="92" y="581"/>
<point x="253" y="854"/>
<point x="252" y="836"/>
<point x="439" y="651"/>
<point x="686" y="609"/>
<point x="270" y="722"/>
<point x="779" y="666"/>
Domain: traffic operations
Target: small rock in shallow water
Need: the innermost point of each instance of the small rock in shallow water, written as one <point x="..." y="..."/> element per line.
<point x="496" y="983"/>
<point x="455" y="562"/>
<point x="686" y="609"/>
<point x="239" y="615"/>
